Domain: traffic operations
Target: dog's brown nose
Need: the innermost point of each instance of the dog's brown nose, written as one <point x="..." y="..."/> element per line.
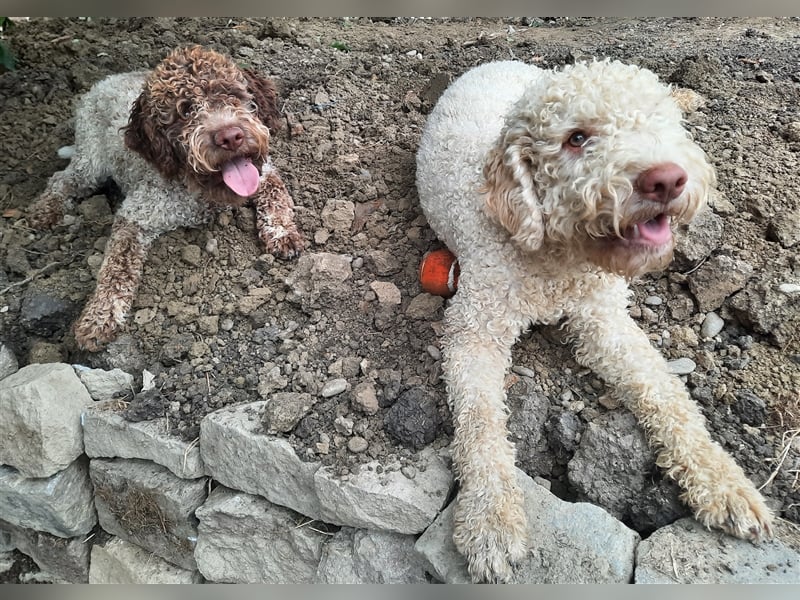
<point x="229" y="138"/>
<point x="662" y="183"/>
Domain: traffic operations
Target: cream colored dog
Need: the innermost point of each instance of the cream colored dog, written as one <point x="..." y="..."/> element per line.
<point x="554" y="188"/>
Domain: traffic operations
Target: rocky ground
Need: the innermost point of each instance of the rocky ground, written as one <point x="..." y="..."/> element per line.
<point x="344" y="333"/>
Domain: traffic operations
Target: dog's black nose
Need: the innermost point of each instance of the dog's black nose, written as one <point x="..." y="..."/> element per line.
<point x="662" y="183"/>
<point x="229" y="138"/>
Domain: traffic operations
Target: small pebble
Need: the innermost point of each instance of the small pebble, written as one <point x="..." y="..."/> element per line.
<point x="681" y="366"/>
<point x="334" y="387"/>
<point x="523" y="371"/>
<point x="712" y="325"/>
<point x="433" y="351"/>
<point x="789" y="288"/>
<point x="343" y="425"/>
<point x="357" y="444"/>
<point x="226" y="324"/>
<point x="653" y="301"/>
<point x="409" y="471"/>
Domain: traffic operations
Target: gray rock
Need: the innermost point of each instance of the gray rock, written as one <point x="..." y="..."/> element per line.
<point x="368" y="499"/>
<point x="283" y="411"/>
<point x="272" y="469"/>
<point x="343" y="425"/>
<point x="387" y="292"/>
<point x="17" y="261"/>
<point x="192" y="255"/>
<point x="563" y="431"/>
<point x="749" y="408"/>
<point x="64" y="558"/>
<point x="681" y="366"/>
<point x="424" y="306"/>
<point x="40" y="426"/>
<point x="568" y="543"/>
<point x="125" y="353"/>
<point x="361" y="556"/>
<point x="388" y="500"/>
<point x="8" y="362"/>
<point x="334" y="387"/>
<point x="383" y="263"/>
<point x="338" y="215"/>
<point x="105" y="385"/>
<point x="145" y="504"/>
<point x="60" y="504"/>
<point x="718" y="278"/>
<point x="698" y="239"/>
<point x="320" y="276"/>
<point x="119" y="561"/>
<point x="44" y="314"/>
<point x="526" y="427"/>
<point x="761" y="307"/>
<point x="365" y="398"/>
<point x="712" y="325"/>
<point x="244" y="538"/>
<point x="785" y="228"/>
<point x="414" y="419"/>
<point x="108" y="435"/>
<point x="612" y="463"/>
<point x="789" y="288"/>
<point x="686" y="552"/>
<point x="6" y="543"/>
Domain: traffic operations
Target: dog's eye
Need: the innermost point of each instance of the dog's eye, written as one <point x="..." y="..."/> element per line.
<point x="184" y="108"/>
<point x="577" y="139"/>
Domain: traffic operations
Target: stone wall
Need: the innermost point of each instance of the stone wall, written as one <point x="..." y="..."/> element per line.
<point x="93" y="497"/>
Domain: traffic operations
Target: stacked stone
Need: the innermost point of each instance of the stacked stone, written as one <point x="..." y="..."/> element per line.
<point x="46" y="500"/>
<point x="62" y="493"/>
<point x="94" y="497"/>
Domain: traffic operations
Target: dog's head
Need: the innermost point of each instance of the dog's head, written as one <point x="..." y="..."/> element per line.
<point x="593" y="161"/>
<point x="202" y="118"/>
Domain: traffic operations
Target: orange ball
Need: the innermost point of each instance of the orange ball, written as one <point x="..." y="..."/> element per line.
<point x="438" y="273"/>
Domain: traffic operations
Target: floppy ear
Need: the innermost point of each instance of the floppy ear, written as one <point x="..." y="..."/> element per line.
<point x="144" y="136"/>
<point x="510" y="197"/>
<point x="266" y="98"/>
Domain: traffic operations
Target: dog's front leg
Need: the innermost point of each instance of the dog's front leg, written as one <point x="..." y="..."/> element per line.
<point x="76" y="181"/>
<point x="117" y="282"/>
<point x="275" y="216"/>
<point x="715" y="487"/>
<point x="490" y="524"/>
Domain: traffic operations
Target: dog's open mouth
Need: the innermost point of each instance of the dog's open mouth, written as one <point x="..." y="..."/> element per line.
<point x="653" y="232"/>
<point x="241" y="176"/>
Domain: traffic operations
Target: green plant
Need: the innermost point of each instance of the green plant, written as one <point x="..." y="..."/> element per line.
<point x="340" y="46"/>
<point x="6" y="57"/>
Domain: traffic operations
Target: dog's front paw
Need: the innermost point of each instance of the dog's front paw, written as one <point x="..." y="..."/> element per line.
<point x="94" y="329"/>
<point x="491" y="537"/>
<point x="736" y="507"/>
<point x="45" y="213"/>
<point x="282" y="242"/>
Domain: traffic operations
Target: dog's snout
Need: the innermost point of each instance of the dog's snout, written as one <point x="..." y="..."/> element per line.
<point x="662" y="183"/>
<point x="229" y="138"/>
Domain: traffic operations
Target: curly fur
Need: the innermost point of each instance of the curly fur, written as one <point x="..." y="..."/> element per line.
<point x="165" y="137"/>
<point x="548" y="227"/>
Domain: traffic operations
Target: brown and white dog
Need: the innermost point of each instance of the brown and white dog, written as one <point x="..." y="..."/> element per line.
<point x="182" y="142"/>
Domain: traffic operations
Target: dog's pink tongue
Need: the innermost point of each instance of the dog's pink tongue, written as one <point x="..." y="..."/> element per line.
<point x="656" y="231"/>
<point x="241" y="175"/>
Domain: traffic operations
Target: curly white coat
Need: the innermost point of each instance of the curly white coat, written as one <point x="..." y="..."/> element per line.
<point x="543" y="231"/>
